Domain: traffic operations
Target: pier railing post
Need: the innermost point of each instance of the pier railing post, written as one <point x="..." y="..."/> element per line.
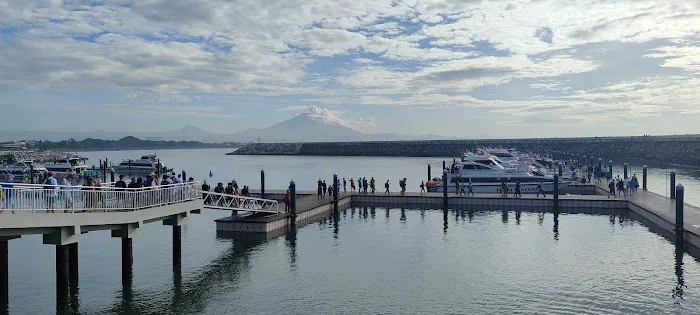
<point x="644" y="177"/>
<point x="680" y="193"/>
<point x="444" y="190"/>
<point x="625" y="167"/>
<point x="335" y="193"/>
<point x="673" y="184"/>
<point x="262" y="184"/>
<point x="429" y="177"/>
<point x="293" y="202"/>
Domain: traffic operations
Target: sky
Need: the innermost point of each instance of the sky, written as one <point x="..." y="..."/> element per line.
<point x="465" y="68"/>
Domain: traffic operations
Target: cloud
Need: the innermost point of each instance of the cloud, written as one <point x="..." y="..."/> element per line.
<point x="295" y="108"/>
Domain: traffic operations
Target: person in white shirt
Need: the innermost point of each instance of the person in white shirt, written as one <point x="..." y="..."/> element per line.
<point x="67" y="191"/>
<point x="51" y="187"/>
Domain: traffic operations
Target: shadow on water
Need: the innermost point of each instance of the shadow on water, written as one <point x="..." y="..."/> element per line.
<point x="680" y="283"/>
<point x="192" y="295"/>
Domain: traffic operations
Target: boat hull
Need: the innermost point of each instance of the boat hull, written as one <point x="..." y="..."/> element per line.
<point x="495" y="188"/>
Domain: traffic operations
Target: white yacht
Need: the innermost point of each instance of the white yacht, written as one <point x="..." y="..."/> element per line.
<point x="67" y="165"/>
<point x="487" y="174"/>
<point x="146" y="164"/>
<point x="21" y="170"/>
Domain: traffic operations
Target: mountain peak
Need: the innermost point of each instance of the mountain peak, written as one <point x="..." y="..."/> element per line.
<point x="191" y="128"/>
<point x="326" y="117"/>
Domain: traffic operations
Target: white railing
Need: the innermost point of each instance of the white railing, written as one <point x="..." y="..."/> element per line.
<point x="70" y="199"/>
<point x="235" y="202"/>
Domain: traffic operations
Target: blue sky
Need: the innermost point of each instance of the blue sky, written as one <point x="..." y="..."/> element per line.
<point x="518" y="68"/>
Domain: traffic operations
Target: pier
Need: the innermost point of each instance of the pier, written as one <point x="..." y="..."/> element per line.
<point x="124" y="212"/>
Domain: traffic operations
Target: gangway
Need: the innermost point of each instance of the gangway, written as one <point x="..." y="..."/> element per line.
<point x="222" y="201"/>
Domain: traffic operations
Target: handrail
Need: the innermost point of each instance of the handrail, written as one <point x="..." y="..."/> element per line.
<point x="59" y="187"/>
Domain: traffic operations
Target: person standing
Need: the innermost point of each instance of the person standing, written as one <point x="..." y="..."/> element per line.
<point x="364" y="184"/>
<point x="402" y="184"/>
<point x="50" y="188"/>
<point x="319" y="189"/>
<point x="422" y="187"/>
<point x="611" y="187"/>
<point x="345" y="187"/>
<point x="470" y="188"/>
<point x="352" y="185"/>
<point x="386" y="186"/>
<point x="287" y="200"/>
<point x="517" y="189"/>
<point x="372" y="185"/>
<point x="325" y="188"/>
<point x="9" y="192"/>
<point x="205" y="192"/>
<point x="67" y="191"/>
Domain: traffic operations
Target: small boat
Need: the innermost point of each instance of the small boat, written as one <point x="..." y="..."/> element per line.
<point x="22" y="170"/>
<point x="146" y="164"/>
<point x="67" y="165"/>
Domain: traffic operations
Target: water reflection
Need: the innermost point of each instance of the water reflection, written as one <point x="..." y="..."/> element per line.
<point x="444" y="219"/>
<point x="680" y="282"/>
<point x="556" y="226"/>
<point x="504" y="216"/>
<point x="402" y="218"/>
<point x="290" y="239"/>
<point x="517" y="217"/>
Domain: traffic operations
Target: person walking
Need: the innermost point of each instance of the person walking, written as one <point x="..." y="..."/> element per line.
<point x="372" y="185"/>
<point x="325" y="188"/>
<point x="422" y="187"/>
<point x="517" y="189"/>
<point x="470" y="188"/>
<point x="345" y="187"/>
<point x="364" y="184"/>
<point x="319" y="188"/>
<point x="611" y="187"/>
<point x="540" y="190"/>
<point x="352" y="185"/>
<point x="386" y="186"/>
<point x="402" y="184"/>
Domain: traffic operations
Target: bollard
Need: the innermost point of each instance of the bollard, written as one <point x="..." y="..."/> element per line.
<point x="262" y="184"/>
<point x="625" y="167"/>
<point x="111" y="176"/>
<point x="335" y="193"/>
<point x="429" y="177"/>
<point x="293" y="202"/>
<point x="610" y="169"/>
<point x="444" y="190"/>
<point x="644" y="177"/>
<point x="680" y="192"/>
<point x="673" y="184"/>
<point x="443" y="164"/>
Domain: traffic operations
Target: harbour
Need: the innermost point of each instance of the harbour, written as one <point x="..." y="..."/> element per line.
<point x="575" y="200"/>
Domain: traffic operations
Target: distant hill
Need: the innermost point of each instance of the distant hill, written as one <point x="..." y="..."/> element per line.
<point x="126" y="143"/>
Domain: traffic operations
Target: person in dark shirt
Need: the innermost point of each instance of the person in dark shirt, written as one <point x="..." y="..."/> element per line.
<point x="205" y="192"/>
<point x="120" y="183"/>
<point x="132" y="183"/>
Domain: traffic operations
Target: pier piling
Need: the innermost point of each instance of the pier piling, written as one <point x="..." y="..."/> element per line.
<point x="644" y="177"/>
<point x="127" y="261"/>
<point x="672" y="176"/>
<point x="73" y="275"/>
<point x="444" y="190"/>
<point x="177" y="244"/>
<point x="556" y="193"/>
<point x="561" y="169"/>
<point x="293" y="202"/>
<point x="680" y="193"/>
<point x="4" y="276"/>
<point x="429" y="177"/>
<point x="262" y="184"/>
<point x="625" y="168"/>
<point x="335" y="193"/>
<point x="111" y="176"/>
<point x="62" y="274"/>
<point x="610" y="169"/>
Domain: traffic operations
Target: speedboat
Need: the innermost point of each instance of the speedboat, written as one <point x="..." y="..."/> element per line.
<point x="22" y="170"/>
<point x="146" y="164"/>
<point x="67" y="165"/>
<point x="487" y="174"/>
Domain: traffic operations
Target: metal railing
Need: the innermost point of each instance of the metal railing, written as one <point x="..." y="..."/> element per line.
<point x="234" y="202"/>
<point x="71" y="199"/>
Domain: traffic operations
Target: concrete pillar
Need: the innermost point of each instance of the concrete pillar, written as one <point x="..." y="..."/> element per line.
<point x="644" y="177"/>
<point x="4" y="276"/>
<point x="62" y="274"/>
<point x="680" y="193"/>
<point x="335" y="193"/>
<point x="429" y="176"/>
<point x="293" y="202"/>
<point x="127" y="261"/>
<point x="73" y="275"/>
<point x="673" y="184"/>
<point x="444" y="190"/>
<point x="177" y="244"/>
<point x="262" y="184"/>
<point x="625" y="168"/>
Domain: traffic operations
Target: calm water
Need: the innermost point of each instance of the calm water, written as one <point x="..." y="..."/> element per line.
<point x="381" y="261"/>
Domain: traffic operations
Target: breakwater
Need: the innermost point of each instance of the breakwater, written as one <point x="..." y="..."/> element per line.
<point x="683" y="150"/>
